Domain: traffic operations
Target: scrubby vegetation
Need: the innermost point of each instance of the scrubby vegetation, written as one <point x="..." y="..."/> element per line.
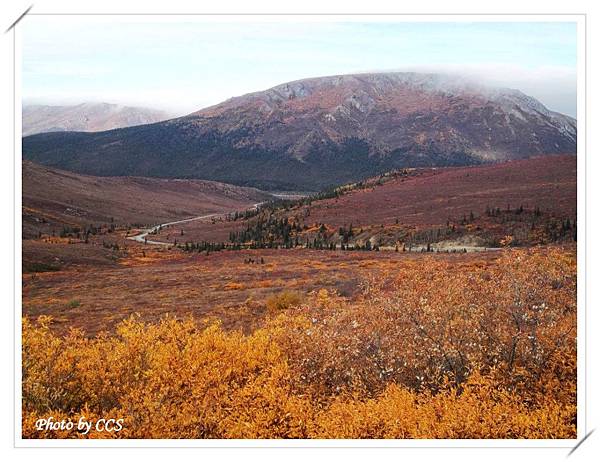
<point x="283" y="300"/>
<point x="432" y="353"/>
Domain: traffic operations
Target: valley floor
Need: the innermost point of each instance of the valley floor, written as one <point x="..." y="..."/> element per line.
<point x="301" y="343"/>
<point x="230" y="285"/>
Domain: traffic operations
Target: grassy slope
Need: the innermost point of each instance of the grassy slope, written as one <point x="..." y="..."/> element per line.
<point x="65" y="198"/>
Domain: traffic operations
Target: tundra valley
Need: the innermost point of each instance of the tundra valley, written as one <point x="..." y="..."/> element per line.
<point x="383" y="255"/>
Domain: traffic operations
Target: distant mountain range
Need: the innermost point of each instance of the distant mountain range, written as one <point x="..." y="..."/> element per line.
<point x="86" y="117"/>
<point x="318" y="132"/>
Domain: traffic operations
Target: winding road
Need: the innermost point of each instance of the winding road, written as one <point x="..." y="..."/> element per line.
<point x="143" y="236"/>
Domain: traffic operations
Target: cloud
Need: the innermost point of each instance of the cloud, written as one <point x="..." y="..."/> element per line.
<point x="554" y="86"/>
<point x="186" y="65"/>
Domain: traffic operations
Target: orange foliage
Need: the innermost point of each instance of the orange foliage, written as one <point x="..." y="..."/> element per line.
<point x="434" y="354"/>
<point x="283" y="300"/>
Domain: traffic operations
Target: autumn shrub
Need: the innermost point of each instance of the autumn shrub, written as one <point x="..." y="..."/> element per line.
<point x="283" y="300"/>
<point x="480" y="410"/>
<point x="172" y="379"/>
<point x="430" y="323"/>
<point x="488" y="351"/>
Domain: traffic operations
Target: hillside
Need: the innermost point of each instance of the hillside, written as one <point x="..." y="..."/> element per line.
<point x="53" y="199"/>
<point x="477" y="206"/>
<point x="314" y="133"/>
<point x="433" y="196"/>
<point x="86" y="117"/>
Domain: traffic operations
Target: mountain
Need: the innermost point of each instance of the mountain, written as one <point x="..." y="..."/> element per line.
<point x="318" y="132"/>
<point x="86" y="117"/>
<point x="54" y="198"/>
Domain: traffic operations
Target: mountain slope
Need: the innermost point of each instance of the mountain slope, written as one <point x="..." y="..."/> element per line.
<point x="54" y="198"/>
<point x="481" y="204"/>
<point x="317" y="132"/>
<point x="86" y="117"/>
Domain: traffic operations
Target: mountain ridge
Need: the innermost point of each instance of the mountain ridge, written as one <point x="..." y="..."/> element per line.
<point x="317" y="132"/>
<point x="86" y="117"/>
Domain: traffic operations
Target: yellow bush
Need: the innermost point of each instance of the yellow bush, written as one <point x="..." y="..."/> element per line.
<point x="283" y="300"/>
<point x="484" y="353"/>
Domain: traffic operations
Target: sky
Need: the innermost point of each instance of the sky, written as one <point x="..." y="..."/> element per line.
<point x="184" y="65"/>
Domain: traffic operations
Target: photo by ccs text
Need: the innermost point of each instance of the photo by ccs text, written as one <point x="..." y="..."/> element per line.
<point x="82" y="425"/>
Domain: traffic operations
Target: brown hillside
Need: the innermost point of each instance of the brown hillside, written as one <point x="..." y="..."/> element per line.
<point x="433" y="196"/>
<point x="54" y="198"/>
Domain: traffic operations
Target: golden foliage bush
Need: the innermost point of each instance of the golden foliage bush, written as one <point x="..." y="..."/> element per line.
<point x="283" y="300"/>
<point x="432" y="323"/>
<point x="436" y="353"/>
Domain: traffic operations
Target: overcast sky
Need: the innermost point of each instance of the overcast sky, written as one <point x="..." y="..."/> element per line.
<point x="184" y="66"/>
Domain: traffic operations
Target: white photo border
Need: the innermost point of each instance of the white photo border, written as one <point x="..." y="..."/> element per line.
<point x="579" y="19"/>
